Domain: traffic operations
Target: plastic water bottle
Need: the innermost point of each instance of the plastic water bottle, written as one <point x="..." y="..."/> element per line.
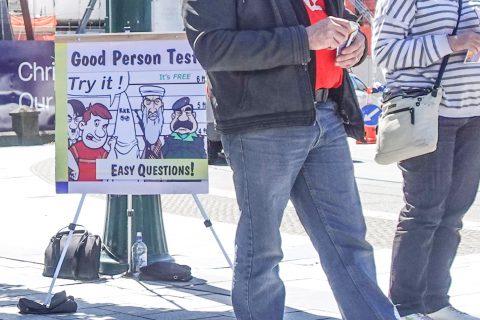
<point x="139" y="254"/>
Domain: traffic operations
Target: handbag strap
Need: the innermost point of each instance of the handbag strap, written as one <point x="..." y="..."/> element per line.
<point x="445" y="59"/>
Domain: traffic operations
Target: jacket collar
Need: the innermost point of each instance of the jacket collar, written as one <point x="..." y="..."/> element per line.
<point x="281" y="7"/>
<point x="334" y="8"/>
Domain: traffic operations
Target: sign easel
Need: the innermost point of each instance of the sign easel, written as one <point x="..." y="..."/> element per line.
<point x="142" y="122"/>
<point x="130" y="213"/>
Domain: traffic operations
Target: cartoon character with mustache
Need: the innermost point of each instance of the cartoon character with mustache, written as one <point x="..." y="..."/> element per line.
<point x="75" y="110"/>
<point x="184" y="142"/>
<point x="83" y="154"/>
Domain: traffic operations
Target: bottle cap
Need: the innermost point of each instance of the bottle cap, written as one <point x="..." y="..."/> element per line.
<point x="139" y="235"/>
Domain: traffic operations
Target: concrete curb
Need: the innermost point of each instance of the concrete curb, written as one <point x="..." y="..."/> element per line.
<point x="10" y="139"/>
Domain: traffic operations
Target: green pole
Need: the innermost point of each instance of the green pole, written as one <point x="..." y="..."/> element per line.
<point x="133" y="16"/>
<point x="107" y="17"/>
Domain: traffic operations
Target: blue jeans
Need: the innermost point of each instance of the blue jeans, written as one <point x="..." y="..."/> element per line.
<point x="439" y="188"/>
<point x="311" y="166"/>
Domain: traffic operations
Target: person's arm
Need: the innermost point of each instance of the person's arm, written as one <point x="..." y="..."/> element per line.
<point x="393" y="46"/>
<point x="211" y="28"/>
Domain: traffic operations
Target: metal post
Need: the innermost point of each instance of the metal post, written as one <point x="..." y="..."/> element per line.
<point x="107" y="16"/>
<point x="208" y="224"/>
<point x="27" y="21"/>
<point x="6" y="32"/>
<point x="86" y="16"/>
<point x="134" y="16"/>
<point x="147" y="219"/>
<point x="64" y="251"/>
<point x="130" y="213"/>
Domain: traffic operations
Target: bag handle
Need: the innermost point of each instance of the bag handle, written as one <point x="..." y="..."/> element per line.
<point x="445" y="59"/>
<point x="72" y="227"/>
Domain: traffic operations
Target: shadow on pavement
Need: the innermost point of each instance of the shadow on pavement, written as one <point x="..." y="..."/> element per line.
<point x="166" y="301"/>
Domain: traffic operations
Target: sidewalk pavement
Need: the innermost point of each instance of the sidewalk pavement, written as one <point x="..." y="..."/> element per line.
<point x="32" y="213"/>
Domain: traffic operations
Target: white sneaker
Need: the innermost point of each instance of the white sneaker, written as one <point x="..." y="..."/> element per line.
<point x="416" y="316"/>
<point x="450" y="313"/>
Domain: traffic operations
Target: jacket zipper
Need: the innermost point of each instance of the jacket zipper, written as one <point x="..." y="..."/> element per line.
<point x="308" y="85"/>
<point x="411" y="110"/>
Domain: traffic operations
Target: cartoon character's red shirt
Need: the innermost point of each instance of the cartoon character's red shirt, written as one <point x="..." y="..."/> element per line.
<point x="86" y="159"/>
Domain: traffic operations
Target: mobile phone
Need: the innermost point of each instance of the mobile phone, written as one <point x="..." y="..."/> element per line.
<point x="351" y="37"/>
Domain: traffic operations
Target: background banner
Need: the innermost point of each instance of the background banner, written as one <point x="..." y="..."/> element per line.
<point x="131" y="115"/>
<point x="26" y="79"/>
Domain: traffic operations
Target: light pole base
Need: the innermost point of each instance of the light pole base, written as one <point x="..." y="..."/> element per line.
<point x="111" y="267"/>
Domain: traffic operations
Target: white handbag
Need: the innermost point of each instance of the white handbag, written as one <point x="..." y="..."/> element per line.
<point x="408" y="126"/>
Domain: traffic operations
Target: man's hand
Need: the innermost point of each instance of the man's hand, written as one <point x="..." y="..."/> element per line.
<point x="464" y="41"/>
<point x="353" y="53"/>
<point x="328" y="33"/>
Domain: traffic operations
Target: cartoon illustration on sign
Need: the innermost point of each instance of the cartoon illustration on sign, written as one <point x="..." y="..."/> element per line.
<point x="123" y="132"/>
<point x="132" y="118"/>
<point x="184" y="142"/>
<point x="127" y="143"/>
<point x="83" y="154"/>
<point x="151" y="120"/>
<point x="75" y="111"/>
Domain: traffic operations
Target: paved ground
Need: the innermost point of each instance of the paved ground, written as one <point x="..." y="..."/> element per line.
<point x="32" y="213"/>
<point x="380" y="196"/>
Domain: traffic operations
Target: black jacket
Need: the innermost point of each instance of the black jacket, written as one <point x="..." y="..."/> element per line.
<point x="256" y="54"/>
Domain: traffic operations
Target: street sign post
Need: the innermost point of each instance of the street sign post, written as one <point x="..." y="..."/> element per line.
<point x="371" y="115"/>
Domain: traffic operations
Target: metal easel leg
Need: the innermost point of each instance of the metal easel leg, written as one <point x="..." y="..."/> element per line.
<point x="209" y="225"/>
<point x="130" y="213"/>
<point x="71" y="227"/>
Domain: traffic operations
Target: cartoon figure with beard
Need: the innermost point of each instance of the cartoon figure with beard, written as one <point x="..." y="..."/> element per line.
<point x="184" y="142"/>
<point x="75" y="110"/>
<point x="83" y="154"/>
<point x="152" y="120"/>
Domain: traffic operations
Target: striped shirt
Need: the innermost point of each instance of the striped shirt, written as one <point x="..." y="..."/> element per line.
<point x="410" y="41"/>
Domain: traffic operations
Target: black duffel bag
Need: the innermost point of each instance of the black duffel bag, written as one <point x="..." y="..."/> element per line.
<point x="82" y="260"/>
